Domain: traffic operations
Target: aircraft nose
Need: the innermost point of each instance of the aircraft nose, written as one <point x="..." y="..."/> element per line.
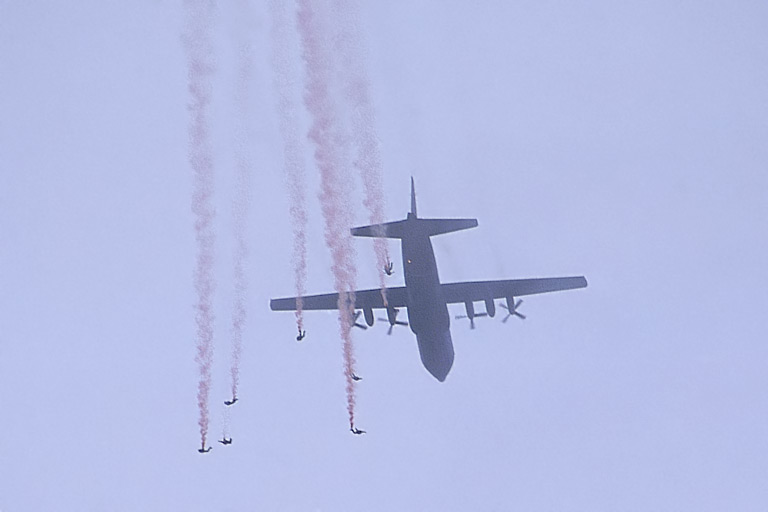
<point x="436" y="353"/>
<point x="440" y="373"/>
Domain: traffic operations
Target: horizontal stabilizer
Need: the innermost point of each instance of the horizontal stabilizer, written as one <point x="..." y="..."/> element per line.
<point x="414" y="227"/>
<point x="395" y="229"/>
<point x="440" y="226"/>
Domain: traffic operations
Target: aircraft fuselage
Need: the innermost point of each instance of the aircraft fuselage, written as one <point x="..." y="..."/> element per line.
<point x="427" y="310"/>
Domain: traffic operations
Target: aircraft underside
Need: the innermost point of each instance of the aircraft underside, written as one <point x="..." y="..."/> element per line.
<point x="424" y="297"/>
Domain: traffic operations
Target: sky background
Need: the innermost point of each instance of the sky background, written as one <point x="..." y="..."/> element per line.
<point x="625" y="141"/>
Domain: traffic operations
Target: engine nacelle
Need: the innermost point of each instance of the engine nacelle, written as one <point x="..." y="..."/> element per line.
<point x="490" y="307"/>
<point x="368" y="313"/>
<point x="391" y="315"/>
<point x="510" y="303"/>
<point x="470" y="307"/>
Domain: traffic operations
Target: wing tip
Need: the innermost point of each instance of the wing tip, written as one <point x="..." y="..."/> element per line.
<point x="288" y="304"/>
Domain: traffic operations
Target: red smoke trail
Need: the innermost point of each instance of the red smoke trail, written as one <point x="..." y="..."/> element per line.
<point x="240" y="208"/>
<point x="199" y="71"/>
<point x="350" y="54"/>
<point x="329" y="148"/>
<point x="225" y="421"/>
<point x="294" y="163"/>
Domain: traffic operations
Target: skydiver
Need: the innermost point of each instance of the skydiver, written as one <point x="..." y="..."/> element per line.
<point x="388" y="268"/>
<point x="204" y="449"/>
<point x="226" y="441"/>
<point x="301" y="335"/>
<point x="230" y="402"/>
<point x="356" y="431"/>
<point x="356" y="378"/>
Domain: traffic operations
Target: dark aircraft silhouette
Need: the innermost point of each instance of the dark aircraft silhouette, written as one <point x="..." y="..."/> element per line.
<point x="226" y="441"/>
<point x="301" y="335"/>
<point x="356" y="431"/>
<point x="230" y="402"/>
<point x="356" y="378"/>
<point x="424" y="296"/>
<point x="388" y="268"/>
<point x="204" y="449"/>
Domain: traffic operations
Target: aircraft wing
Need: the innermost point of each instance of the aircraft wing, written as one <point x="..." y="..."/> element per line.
<point x="480" y="290"/>
<point x="364" y="299"/>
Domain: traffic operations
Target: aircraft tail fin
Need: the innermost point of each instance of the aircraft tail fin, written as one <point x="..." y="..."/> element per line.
<point x="413" y="225"/>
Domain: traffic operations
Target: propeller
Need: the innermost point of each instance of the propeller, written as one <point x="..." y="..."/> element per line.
<point x="393" y="321"/>
<point x="355" y="322"/>
<point x="512" y="311"/>
<point x="471" y="318"/>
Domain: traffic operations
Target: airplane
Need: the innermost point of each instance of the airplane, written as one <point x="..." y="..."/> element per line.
<point x="425" y="298"/>
<point x="356" y="378"/>
<point x="204" y="449"/>
<point x="225" y="441"/>
<point x="356" y="431"/>
<point x="230" y="402"/>
<point x="388" y="268"/>
<point x="301" y="335"/>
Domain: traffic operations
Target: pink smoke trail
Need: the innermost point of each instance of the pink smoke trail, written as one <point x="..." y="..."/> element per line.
<point x="240" y="208"/>
<point x="294" y="163"/>
<point x="225" y="422"/>
<point x="329" y="147"/>
<point x="199" y="72"/>
<point x="350" y="53"/>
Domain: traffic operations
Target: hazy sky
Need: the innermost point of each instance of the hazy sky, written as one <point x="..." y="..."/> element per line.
<point x="625" y="141"/>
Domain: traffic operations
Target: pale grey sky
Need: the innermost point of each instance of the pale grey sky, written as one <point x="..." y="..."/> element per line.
<point x="625" y="141"/>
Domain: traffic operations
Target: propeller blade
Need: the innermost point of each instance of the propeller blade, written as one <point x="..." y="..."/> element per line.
<point x="471" y="320"/>
<point x="355" y="322"/>
<point x="393" y="322"/>
<point x="512" y="311"/>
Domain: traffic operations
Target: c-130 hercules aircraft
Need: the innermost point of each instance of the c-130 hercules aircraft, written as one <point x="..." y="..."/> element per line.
<point x="423" y="295"/>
